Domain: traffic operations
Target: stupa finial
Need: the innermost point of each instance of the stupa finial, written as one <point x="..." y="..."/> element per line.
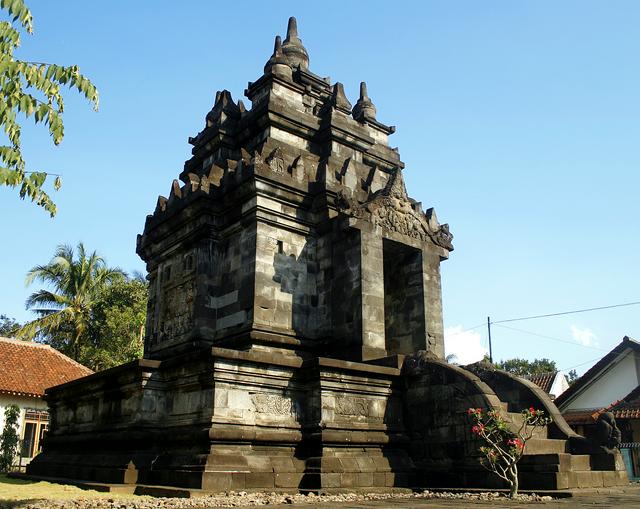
<point x="292" y="29"/>
<point x="339" y="99"/>
<point x="277" y="58"/>
<point x="293" y="48"/>
<point x="363" y="91"/>
<point x="364" y="108"/>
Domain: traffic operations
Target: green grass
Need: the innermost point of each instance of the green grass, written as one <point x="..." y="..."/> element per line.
<point x="12" y="489"/>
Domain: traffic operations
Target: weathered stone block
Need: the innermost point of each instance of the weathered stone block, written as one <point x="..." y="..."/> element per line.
<point x="288" y="480"/>
<point x="330" y="480"/>
<point x="260" y="480"/>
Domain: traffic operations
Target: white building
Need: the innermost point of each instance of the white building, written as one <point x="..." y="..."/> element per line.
<point x="611" y="385"/>
<point x="26" y="370"/>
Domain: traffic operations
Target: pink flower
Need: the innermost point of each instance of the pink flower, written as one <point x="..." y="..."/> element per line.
<point x="516" y="442"/>
<point x="532" y="410"/>
<point x="477" y="429"/>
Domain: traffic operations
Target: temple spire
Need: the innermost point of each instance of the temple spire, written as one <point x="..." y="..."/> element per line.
<point x="363" y="91"/>
<point x="364" y="108"/>
<point x="277" y="58"/>
<point x="292" y="29"/>
<point x="293" y="48"/>
<point x="339" y="99"/>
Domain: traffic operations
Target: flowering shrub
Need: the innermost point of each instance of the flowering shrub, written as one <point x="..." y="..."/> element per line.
<point x="9" y="438"/>
<point x="504" y="445"/>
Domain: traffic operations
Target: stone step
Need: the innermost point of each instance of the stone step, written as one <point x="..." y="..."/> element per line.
<point x="563" y="462"/>
<point x="545" y="446"/>
<point x="570" y="480"/>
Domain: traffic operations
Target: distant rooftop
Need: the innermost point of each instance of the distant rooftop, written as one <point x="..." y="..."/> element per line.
<point x="544" y="381"/>
<point x="28" y="368"/>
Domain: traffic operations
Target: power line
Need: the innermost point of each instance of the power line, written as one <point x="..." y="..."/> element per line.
<point x="574" y="343"/>
<point x="581" y="364"/>
<point x="633" y="354"/>
<point x="567" y="312"/>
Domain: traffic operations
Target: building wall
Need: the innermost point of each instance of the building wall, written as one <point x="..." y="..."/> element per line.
<point x="559" y="385"/>
<point x="24" y="403"/>
<point x="609" y="387"/>
<point x="285" y="281"/>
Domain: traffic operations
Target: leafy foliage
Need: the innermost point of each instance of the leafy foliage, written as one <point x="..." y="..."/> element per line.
<point x="572" y="376"/>
<point x="117" y="328"/>
<point x="9" y="438"/>
<point x="523" y="367"/>
<point x="503" y="447"/>
<point x="8" y="326"/>
<point x="32" y="89"/>
<point x="92" y="313"/>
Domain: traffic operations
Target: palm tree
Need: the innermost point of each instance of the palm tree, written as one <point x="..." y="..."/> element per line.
<point x="64" y="310"/>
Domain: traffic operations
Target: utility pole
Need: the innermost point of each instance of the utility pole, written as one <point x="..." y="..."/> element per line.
<point x="489" y="332"/>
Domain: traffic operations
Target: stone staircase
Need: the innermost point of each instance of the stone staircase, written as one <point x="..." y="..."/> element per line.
<point x="446" y="453"/>
<point x="554" y="461"/>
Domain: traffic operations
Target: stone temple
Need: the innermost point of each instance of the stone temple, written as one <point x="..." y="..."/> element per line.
<point x="294" y="337"/>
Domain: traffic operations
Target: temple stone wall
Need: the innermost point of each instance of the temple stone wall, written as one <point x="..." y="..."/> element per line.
<point x="372" y="297"/>
<point x="286" y="281"/>
<point x="347" y="288"/>
<point x="432" y="291"/>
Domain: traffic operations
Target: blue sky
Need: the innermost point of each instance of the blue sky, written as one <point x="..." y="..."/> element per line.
<point x="518" y="121"/>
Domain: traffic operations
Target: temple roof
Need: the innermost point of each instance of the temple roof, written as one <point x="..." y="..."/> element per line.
<point x="301" y="132"/>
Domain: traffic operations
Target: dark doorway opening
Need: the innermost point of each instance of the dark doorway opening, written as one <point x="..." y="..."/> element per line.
<point x="404" y="312"/>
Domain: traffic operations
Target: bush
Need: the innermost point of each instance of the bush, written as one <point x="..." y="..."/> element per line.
<point x="504" y="447"/>
<point x="9" y="438"/>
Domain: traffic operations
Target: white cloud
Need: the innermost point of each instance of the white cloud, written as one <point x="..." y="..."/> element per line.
<point x="585" y="337"/>
<point x="465" y="345"/>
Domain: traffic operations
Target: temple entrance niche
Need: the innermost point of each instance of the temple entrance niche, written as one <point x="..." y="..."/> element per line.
<point x="404" y="312"/>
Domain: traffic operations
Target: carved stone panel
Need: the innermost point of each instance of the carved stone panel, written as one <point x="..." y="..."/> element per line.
<point x="351" y="406"/>
<point x="177" y="310"/>
<point x="273" y="404"/>
<point x="391" y="210"/>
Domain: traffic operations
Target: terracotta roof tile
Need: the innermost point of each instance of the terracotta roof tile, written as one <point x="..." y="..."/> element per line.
<point x="628" y="407"/>
<point x="574" y="417"/>
<point x="544" y="381"/>
<point x="28" y="368"/>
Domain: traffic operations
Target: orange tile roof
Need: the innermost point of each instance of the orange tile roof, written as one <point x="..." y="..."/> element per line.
<point x="629" y="407"/>
<point x="544" y="381"/>
<point x="574" y="417"/>
<point x="28" y="368"/>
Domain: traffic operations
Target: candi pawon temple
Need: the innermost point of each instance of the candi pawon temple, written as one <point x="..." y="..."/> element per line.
<point x="294" y="336"/>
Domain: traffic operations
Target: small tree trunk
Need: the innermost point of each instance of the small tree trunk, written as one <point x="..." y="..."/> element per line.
<point x="513" y="483"/>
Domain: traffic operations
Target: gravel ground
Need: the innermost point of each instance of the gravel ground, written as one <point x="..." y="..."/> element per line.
<point x="240" y="499"/>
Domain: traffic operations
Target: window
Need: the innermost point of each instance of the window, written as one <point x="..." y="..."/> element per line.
<point x="36" y="423"/>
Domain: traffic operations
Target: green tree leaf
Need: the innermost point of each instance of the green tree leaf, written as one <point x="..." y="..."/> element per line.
<point x="43" y="101"/>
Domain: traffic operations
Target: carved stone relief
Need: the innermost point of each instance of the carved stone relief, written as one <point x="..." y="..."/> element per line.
<point x="177" y="310"/>
<point x="352" y="406"/>
<point x="273" y="404"/>
<point x="391" y="210"/>
<point x="276" y="161"/>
